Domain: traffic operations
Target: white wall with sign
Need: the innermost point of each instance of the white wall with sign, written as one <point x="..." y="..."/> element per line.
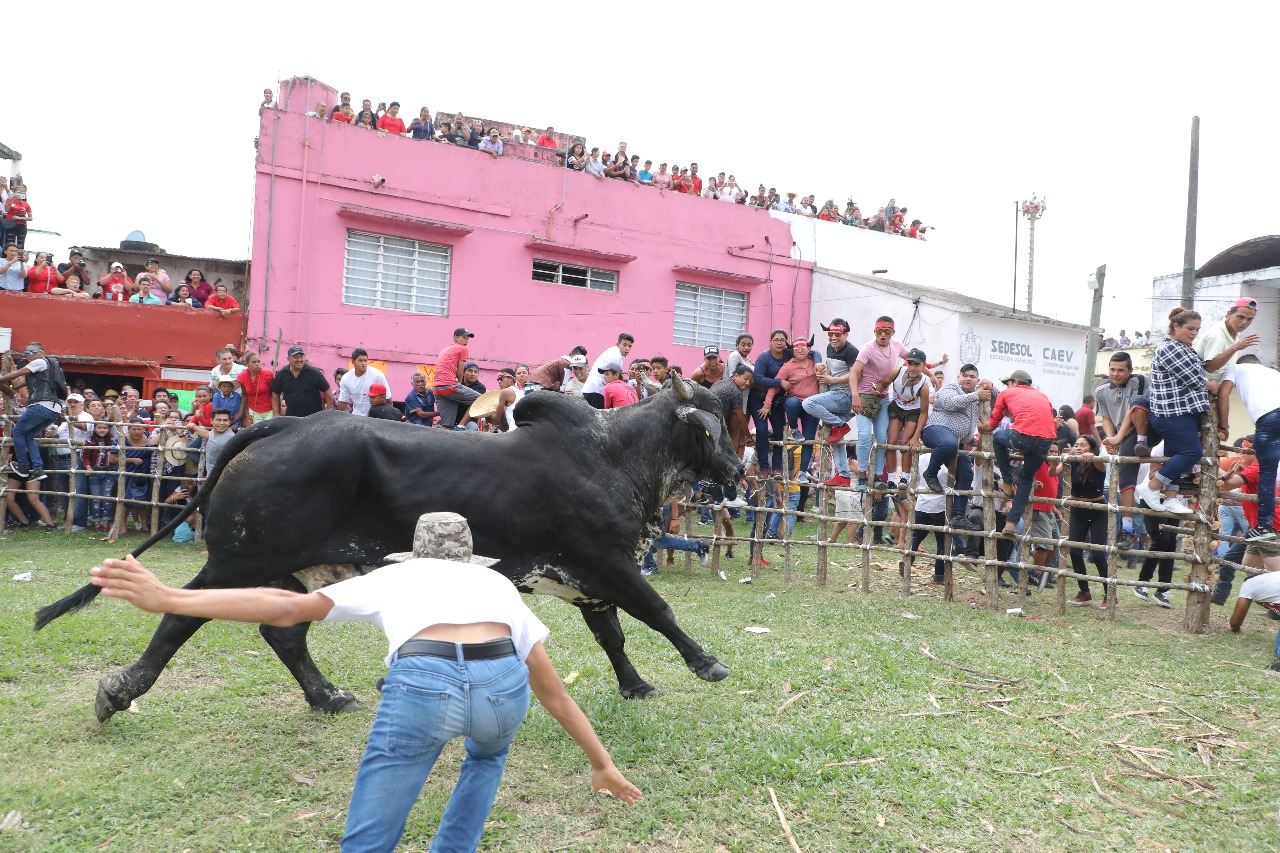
<point x="1053" y="355"/>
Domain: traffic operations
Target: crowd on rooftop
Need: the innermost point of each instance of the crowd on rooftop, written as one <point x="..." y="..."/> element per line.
<point x="619" y="165"/>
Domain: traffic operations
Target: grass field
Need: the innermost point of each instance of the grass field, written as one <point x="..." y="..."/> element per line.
<point x="880" y="724"/>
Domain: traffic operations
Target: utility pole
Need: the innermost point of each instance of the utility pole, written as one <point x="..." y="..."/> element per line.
<point x="1033" y="210"/>
<point x="1013" y="300"/>
<point x="1095" y="320"/>
<point x="1193" y="194"/>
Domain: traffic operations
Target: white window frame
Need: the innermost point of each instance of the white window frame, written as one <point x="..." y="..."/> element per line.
<point x="608" y="279"/>
<point x="424" y="268"/>
<point x="708" y="315"/>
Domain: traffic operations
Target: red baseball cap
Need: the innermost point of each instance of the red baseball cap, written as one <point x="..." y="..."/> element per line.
<point x="377" y="388"/>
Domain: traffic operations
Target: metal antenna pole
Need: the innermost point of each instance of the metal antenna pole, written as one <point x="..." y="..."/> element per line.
<point x="1193" y="193"/>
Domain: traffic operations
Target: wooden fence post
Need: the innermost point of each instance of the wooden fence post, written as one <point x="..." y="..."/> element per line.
<point x="1196" y="618"/>
<point x="991" y="574"/>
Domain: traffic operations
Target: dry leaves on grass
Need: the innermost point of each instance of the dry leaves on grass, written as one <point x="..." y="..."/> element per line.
<point x="12" y="822"/>
<point x="302" y="780"/>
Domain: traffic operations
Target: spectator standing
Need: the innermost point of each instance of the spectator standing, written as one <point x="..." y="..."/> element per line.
<point x="509" y="393"/>
<point x="182" y="296"/>
<point x="595" y="167"/>
<point x="1222" y="344"/>
<point x="215" y="438"/>
<point x="548" y="139"/>
<point x="227" y="367"/>
<point x="492" y="144"/>
<point x="13" y="269"/>
<point x="1086" y="416"/>
<point x="662" y="178"/>
<point x="41" y="276"/>
<point x="931" y="510"/>
<point x="391" y="121"/>
<point x="1031" y="433"/>
<point x="344" y="100"/>
<point x="222" y="301"/>
<point x="711" y="370"/>
<point x="615" y="392"/>
<point x="226" y="396"/>
<point x="17" y="214"/>
<point x="425" y="128"/>
<point x="593" y="389"/>
<point x="200" y="288"/>
<point x="1088" y="524"/>
<point x="580" y="373"/>
<point x="380" y="405"/>
<point x="353" y="390"/>
<point x="156" y="281"/>
<point x="116" y="284"/>
<point x="256" y="381"/>
<point x="1179" y="397"/>
<point x="73" y="430"/>
<point x="75" y="264"/>
<point x="449" y="387"/>
<point x="471" y="377"/>
<point x="300" y="389"/>
<point x="420" y="403"/>
<point x="1259" y="387"/>
<point x="72" y="286"/>
<point x="577" y="159"/>
<point x="145" y="297"/>
<point x="740" y="422"/>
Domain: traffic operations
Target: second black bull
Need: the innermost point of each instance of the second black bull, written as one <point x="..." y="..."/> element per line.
<point x="566" y="502"/>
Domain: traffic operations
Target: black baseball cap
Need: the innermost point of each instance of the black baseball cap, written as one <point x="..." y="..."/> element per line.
<point x="296" y="350"/>
<point x="462" y="331"/>
<point x="916" y="355"/>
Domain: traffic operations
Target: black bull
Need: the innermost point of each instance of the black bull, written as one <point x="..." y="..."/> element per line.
<point x="566" y="502"/>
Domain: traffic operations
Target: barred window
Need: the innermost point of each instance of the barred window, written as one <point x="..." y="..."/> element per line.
<point x="554" y="272"/>
<point x="708" y="315"/>
<point x="396" y="274"/>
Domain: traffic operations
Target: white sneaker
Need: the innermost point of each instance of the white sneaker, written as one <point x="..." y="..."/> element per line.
<point x="802" y="477"/>
<point x="736" y="502"/>
<point x="1149" y="496"/>
<point x="1175" y="506"/>
<point x="1162" y="598"/>
<point x="1141" y="592"/>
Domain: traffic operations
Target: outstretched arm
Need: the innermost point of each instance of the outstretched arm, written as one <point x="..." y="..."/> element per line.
<point x="547" y="686"/>
<point x="130" y="580"/>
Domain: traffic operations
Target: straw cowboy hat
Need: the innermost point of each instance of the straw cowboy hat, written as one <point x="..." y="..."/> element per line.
<point x="485" y="405"/>
<point x="444" y="536"/>
<point x="175" y="450"/>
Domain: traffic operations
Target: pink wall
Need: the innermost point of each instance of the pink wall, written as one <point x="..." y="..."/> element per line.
<point x="314" y="182"/>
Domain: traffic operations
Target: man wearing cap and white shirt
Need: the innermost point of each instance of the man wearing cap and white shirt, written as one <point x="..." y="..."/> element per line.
<point x="616" y="392"/>
<point x="116" y="285"/>
<point x="353" y="390"/>
<point x="464" y="653"/>
<point x="577" y="376"/>
<point x="302" y="389"/>
<point x="449" y="388"/>
<point x="552" y="375"/>
<point x="226" y="368"/>
<point x="72" y="431"/>
<point x="593" y="389"/>
<point x="1259" y="387"/>
<point x="1222" y="344"/>
<point x="155" y="280"/>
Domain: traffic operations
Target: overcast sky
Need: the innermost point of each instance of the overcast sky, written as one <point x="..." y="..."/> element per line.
<point x="957" y="110"/>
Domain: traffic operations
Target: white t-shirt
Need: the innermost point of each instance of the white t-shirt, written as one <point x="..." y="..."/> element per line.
<point x="404" y="598"/>
<point x="1264" y="589"/>
<point x="1259" y="387"/>
<point x="929" y="501"/>
<point x="64" y="448"/>
<point x="216" y="374"/>
<point x="355" y="389"/>
<point x="595" y="382"/>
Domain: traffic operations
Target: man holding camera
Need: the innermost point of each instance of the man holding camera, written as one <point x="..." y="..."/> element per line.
<point x="74" y="264"/>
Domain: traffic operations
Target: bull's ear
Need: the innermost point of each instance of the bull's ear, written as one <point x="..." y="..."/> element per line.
<point x="707" y="421"/>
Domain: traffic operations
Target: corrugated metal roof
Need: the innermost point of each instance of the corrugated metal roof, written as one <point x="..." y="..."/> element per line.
<point x="115" y="250"/>
<point x="1258" y="253"/>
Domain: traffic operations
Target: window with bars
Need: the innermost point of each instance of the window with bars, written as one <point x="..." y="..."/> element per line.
<point x="396" y="274"/>
<point x="708" y="315"/>
<point x="554" y="272"/>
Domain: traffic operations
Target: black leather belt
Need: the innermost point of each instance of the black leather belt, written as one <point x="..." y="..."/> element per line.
<point x="499" y="648"/>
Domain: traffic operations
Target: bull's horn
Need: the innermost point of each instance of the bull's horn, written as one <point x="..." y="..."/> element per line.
<point x="683" y="389"/>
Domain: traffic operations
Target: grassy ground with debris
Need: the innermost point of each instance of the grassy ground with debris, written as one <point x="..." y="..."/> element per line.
<point x="877" y="722"/>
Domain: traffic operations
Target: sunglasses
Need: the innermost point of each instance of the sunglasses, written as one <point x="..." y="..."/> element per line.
<point x="884" y="331"/>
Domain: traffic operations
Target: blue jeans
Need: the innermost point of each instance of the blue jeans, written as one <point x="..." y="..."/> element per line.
<point x="426" y="702"/>
<point x="35" y="418"/>
<point x="1233" y="524"/>
<point x="100" y="485"/>
<point x="943" y="447"/>
<point x="1266" y="445"/>
<point x="833" y="408"/>
<point x="808" y="424"/>
<point x="767" y="429"/>
<point x="1033" y="451"/>
<point x="871" y="430"/>
<point x="793" y="503"/>
<point x="667" y="540"/>
<point x="1182" y="444"/>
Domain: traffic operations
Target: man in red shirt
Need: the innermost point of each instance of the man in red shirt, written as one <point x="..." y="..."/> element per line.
<point x="616" y="392"/>
<point x="694" y="179"/>
<point x="548" y="139"/>
<point x="1032" y="432"/>
<point x="17" y="213"/>
<point x="116" y="285"/>
<point x="391" y="121"/>
<point x="1085" y="417"/>
<point x="448" y="381"/>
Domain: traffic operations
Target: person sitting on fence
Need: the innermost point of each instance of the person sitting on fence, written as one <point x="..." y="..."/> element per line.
<point x="769" y="420"/>
<point x="1179" y="397"/>
<point x="798" y="379"/>
<point x="953" y="419"/>
<point x="46" y="388"/>
<point x="1032" y="431"/>
<point x="1088" y="524"/>
<point x="1264" y="589"/>
<point x="1122" y="413"/>
<point x="909" y="394"/>
<point x="1259" y="388"/>
<point x="834" y="407"/>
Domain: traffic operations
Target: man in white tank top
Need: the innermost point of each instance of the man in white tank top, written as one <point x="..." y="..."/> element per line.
<point x="504" y="417"/>
<point x="461" y="638"/>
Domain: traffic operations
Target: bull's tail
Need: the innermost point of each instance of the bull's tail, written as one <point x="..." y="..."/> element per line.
<point x="242" y="440"/>
<point x="87" y="593"/>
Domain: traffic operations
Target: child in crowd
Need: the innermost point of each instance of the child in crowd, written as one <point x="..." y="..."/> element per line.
<point x="229" y="397"/>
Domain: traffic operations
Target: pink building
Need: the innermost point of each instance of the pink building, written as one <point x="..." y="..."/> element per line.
<point x="389" y="243"/>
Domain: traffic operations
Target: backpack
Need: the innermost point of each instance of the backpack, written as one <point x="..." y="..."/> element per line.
<point x="57" y="378"/>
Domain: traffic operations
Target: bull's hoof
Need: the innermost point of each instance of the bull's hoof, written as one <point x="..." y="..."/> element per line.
<point x="643" y="690"/>
<point x="107" y="702"/>
<point x="712" y="670"/>
<point x="342" y="702"/>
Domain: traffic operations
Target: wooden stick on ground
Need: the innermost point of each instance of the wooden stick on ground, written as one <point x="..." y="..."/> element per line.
<point x="782" y="819"/>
